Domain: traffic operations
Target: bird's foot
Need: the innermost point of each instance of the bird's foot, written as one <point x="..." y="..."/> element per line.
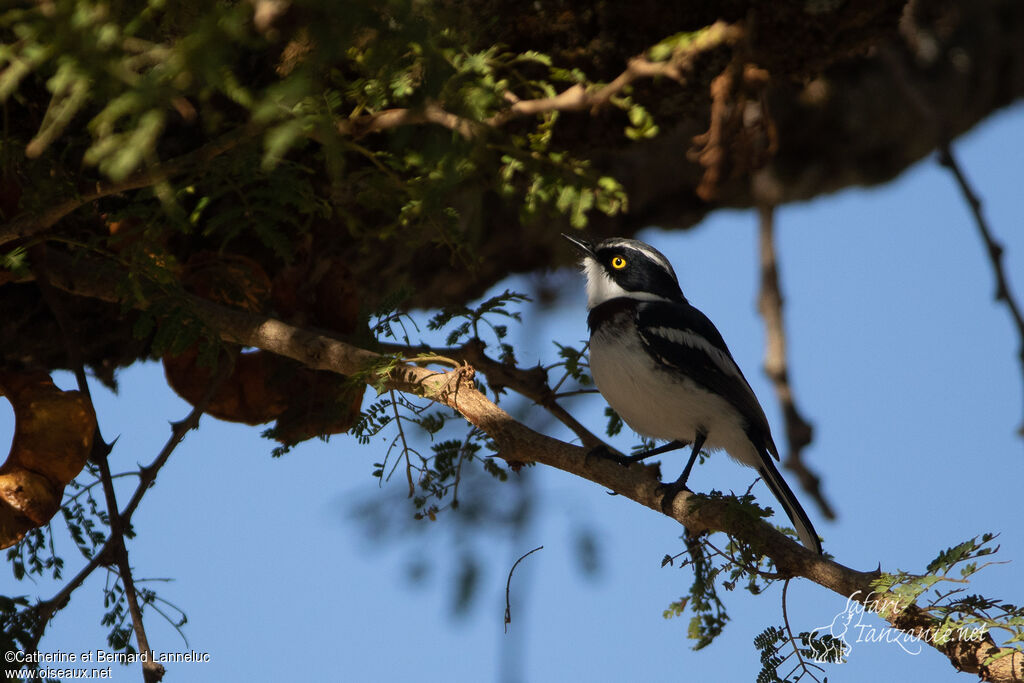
<point x="669" y="493"/>
<point x="608" y="453"/>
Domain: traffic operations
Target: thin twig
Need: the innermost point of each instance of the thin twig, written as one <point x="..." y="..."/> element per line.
<point x="508" y="585"/>
<point x="993" y="249"/>
<point x="405" y="446"/>
<point x="802" y="664"/>
<point x="776" y="365"/>
<point x="152" y="672"/>
<point x="147" y="475"/>
<point x="115" y="546"/>
<point x="574" y="98"/>
<point x="931" y="117"/>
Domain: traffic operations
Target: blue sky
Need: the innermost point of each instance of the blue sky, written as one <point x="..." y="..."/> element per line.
<point x="899" y="356"/>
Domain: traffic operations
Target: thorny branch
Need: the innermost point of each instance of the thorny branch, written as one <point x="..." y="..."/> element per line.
<point x="114" y="549"/>
<point x="993" y="249"/>
<point x="152" y="671"/>
<point x="517" y="443"/>
<point x="147" y="475"/>
<point x="776" y="364"/>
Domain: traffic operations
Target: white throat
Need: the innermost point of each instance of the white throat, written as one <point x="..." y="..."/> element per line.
<point x="601" y="287"/>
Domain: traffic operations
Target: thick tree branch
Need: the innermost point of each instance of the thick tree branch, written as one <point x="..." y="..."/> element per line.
<point x="531" y="383"/>
<point x="518" y="443"/>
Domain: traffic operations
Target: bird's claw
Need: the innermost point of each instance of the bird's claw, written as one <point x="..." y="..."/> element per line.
<point x="669" y="493"/>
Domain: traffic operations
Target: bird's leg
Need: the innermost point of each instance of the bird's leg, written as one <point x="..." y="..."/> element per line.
<point x="627" y="460"/>
<point x="673" y="489"/>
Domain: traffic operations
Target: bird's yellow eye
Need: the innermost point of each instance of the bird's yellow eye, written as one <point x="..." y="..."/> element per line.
<point x="618" y="263"/>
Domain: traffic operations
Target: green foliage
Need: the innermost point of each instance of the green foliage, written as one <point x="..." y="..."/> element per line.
<point x="469" y="321"/>
<point x="35" y="554"/>
<point x="241" y="197"/>
<point x="709" y="613"/>
<point x="16" y="261"/>
<point x="768" y="643"/>
<point x="960" y="615"/>
<point x="615" y="422"/>
<point x="130" y="86"/>
<point x="641" y="123"/>
<point x="17" y="625"/>
<point x="968" y="617"/>
<point x="432" y="450"/>
<point x="86" y="521"/>
<point x="388" y="321"/>
<point x="667" y="47"/>
<point x="575" y="364"/>
<point x="822" y="647"/>
<point x="116" y="618"/>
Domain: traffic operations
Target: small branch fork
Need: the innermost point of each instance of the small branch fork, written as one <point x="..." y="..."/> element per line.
<point x="531" y="383"/>
<point x="776" y="365"/>
<point x="46" y="609"/>
<point x="802" y="664"/>
<point x="517" y="443"/>
<point x="114" y="550"/>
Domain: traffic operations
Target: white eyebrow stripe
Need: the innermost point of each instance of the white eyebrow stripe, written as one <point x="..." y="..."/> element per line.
<point x="695" y="341"/>
<point x="657" y="258"/>
<point x="649" y="252"/>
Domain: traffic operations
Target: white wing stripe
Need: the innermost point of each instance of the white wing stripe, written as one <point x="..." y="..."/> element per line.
<point x="695" y="341"/>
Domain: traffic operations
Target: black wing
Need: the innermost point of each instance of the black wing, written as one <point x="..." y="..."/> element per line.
<point x="684" y="338"/>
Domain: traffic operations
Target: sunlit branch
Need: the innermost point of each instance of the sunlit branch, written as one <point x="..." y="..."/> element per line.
<point x="574" y="98"/>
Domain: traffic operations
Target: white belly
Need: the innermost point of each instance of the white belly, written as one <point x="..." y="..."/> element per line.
<point x="661" y="405"/>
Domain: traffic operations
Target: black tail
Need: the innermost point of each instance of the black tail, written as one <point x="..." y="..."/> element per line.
<point x="784" y="494"/>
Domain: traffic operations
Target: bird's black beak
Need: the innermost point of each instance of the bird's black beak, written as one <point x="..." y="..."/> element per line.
<point x="584" y="246"/>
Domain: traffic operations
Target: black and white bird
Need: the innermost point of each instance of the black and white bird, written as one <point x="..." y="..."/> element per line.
<point x="664" y="368"/>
